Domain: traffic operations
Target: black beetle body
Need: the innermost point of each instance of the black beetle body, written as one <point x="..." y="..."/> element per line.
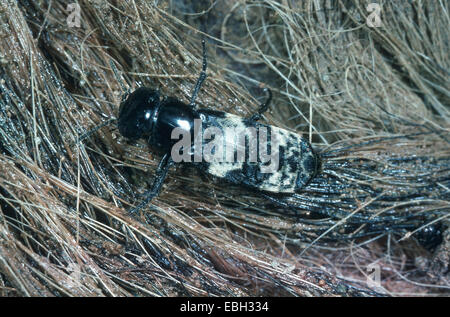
<point x="144" y="115"/>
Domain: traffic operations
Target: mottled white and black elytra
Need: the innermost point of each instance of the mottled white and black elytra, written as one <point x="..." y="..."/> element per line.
<point x="297" y="161"/>
<point x="146" y="114"/>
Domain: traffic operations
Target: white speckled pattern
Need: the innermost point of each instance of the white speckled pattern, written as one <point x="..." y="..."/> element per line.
<point x="295" y="159"/>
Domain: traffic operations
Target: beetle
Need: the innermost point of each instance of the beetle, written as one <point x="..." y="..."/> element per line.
<point x="146" y="114"/>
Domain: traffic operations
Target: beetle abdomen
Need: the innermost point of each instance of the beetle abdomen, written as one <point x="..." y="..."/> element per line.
<point x="270" y="159"/>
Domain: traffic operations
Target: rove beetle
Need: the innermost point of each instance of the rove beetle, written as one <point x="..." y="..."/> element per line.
<point x="146" y="114"/>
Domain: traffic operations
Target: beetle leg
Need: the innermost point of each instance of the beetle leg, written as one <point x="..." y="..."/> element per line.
<point x="161" y="173"/>
<point x="201" y="78"/>
<point x="262" y="108"/>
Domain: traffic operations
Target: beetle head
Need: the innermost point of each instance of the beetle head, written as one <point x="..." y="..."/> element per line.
<point x="136" y="113"/>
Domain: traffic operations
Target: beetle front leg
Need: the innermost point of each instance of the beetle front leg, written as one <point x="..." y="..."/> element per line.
<point x="161" y="174"/>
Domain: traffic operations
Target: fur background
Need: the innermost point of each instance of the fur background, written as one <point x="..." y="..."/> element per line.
<point x="373" y="101"/>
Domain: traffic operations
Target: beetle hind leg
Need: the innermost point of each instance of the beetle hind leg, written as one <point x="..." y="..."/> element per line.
<point x="262" y="108"/>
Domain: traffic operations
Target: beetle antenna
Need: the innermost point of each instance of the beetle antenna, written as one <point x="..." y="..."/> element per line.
<point x="107" y="122"/>
<point x="95" y="129"/>
<point x="116" y="74"/>
<point x="125" y="91"/>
